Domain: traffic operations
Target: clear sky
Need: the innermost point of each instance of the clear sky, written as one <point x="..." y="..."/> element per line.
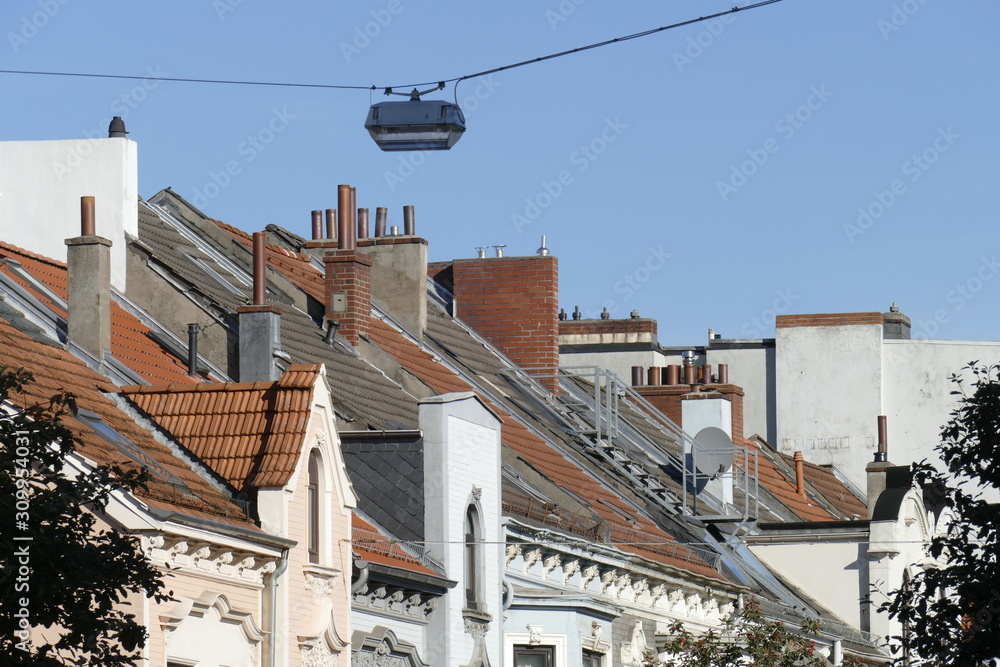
<point x="802" y="157"/>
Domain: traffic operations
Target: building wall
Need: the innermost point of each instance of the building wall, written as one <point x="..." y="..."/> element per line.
<point x="619" y="363"/>
<point x="462" y="467"/>
<point x="829" y="389"/>
<point x="916" y="400"/>
<point x="44" y="180"/>
<point x="752" y="368"/>
<point x="833" y="572"/>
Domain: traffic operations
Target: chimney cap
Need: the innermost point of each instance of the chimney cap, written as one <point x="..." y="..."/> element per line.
<point x="117" y="128"/>
<point x="605" y="315"/>
<point x="635" y="314"/>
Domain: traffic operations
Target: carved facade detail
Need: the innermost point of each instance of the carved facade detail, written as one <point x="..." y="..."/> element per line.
<point x="570" y="568"/>
<point x="530" y="558"/>
<point x="513" y="551"/>
<point x="551" y="562"/>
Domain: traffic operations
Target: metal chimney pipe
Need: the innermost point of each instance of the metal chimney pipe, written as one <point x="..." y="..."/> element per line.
<point x="654" y="376"/>
<point x="690" y="374"/>
<point x="499" y="249"/>
<point x="409" y="223"/>
<point x="544" y="249"/>
<point x="193" y="349"/>
<point x="317" y="225"/>
<point x="576" y="313"/>
<point x="723" y="373"/>
<point x="637" y="373"/>
<point x="352" y="227"/>
<point x="800" y="476"/>
<point x="344" y="220"/>
<point x="381" y="216"/>
<point x="673" y="374"/>
<point x="882" y="455"/>
<point x="362" y="223"/>
<point x="394" y="231"/>
<point x="259" y="269"/>
<point x="88" y="224"/>
<point x="331" y="223"/>
<point x="706" y="374"/>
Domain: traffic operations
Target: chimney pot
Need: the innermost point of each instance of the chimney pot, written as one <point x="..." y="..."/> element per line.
<point x="394" y="230"/>
<point x="800" y="477"/>
<point x="317" y="225"/>
<point x="723" y="373"/>
<point x="499" y="249"/>
<point x="673" y="374"/>
<point x="706" y="374"/>
<point x="381" y="216"/>
<point x="635" y="314"/>
<point x="576" y="313"/>
<point x="409" y="222"/>
<point x="259" y="269"/>
<point x="344" y="221"/>
<point x="882" y="455"/>
<point x="654" y="376"/>
<point x="562" y="314"/>
<point x="117" y="128"/>
<point x="605" y="315"/>
<point x="543" y="250"/>
<point x="88" y="224"/>
<point x="637" y="373"/>
<point x="331" y="223"/>
<point x="362" y="223"/>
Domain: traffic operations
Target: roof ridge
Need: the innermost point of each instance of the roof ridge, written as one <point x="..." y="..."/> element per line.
<point x="33" y="255"/>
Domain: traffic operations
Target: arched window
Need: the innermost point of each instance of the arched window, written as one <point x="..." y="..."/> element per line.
<point x="313" y="509"/>
<point x="473" y="576"/>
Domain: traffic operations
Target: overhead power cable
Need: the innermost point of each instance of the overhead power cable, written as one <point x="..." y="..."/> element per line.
<point x="455" y="80"/>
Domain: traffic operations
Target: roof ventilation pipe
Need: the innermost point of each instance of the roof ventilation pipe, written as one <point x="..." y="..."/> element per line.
<point x="409" y="221"/>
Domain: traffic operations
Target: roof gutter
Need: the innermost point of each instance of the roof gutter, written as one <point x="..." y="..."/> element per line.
<point x="224" y="528"/>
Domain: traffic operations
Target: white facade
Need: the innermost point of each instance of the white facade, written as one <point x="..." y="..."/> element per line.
<point x="462" y="476"/>
<point x="41" y="183"/>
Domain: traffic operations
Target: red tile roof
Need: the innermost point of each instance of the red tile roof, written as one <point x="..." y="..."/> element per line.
<point x="374" y="547"/>
<point x="782" y="487"/>
<point x="56" y="370"/>
<point x="642" y="537"/>
<point x="130" y="342"/>
<point x="250" y="433"/>
<point x="294" y="266"/>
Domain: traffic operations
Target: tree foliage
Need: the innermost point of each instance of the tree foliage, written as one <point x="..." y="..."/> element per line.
<point x="57" y="569"/>
<point x="951" y="608"/>
<point x="748" y="640"/>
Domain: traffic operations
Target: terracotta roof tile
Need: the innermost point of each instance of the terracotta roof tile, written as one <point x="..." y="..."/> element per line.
<point x="130" y="342"/>
<point x="782" y="487"/>
<point x="174" y="485"/>
<point x="250" y="433"/>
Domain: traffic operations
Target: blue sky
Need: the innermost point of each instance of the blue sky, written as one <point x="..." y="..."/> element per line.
<point x="802" y="157"/>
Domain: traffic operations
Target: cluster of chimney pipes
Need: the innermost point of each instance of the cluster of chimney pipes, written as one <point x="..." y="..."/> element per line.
<point x="353" y="225"/>
<point x="672" y="374"/>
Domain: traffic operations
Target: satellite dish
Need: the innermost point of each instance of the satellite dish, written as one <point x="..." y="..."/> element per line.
<point x="713" y="451"/>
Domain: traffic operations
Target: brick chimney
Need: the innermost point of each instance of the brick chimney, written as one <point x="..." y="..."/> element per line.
<point x="671" y="397"/>
<point x="348" y="293"/>
<point x="88" y="258"/>
<point x="259" y="325"/>
<point x="514" y="303"/>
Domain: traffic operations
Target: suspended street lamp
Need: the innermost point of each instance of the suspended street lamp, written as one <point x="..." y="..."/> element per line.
<point x="429" y="125"/>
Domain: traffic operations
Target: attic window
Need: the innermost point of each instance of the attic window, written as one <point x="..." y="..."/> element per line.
<point x="132" y="451"/>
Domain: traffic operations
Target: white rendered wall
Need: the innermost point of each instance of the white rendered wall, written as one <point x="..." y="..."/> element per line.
<point x="619" y="363"/>
<point x="835" y="573"/>
<point x="917" y="399"/>
<point x="752" y="369"/>
<point x="829" y="394"/>
<point x="461" y="462"/>
<point x="41" y="183"/>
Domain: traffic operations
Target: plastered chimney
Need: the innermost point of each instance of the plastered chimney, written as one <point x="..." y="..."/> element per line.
<point x="88" y="258"/>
